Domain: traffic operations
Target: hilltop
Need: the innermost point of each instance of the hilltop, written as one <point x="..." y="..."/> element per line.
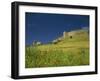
<point x="71" y="49"/>
<point x="76" y="35"/>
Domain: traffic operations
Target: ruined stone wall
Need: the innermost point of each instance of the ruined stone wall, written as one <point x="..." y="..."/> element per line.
<point x="68" y="34"/>
<point x="65" y="34"/>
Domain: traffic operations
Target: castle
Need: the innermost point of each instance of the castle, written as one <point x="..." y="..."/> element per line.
<point x="72" y="33"/>
<point x="68" y="34"/>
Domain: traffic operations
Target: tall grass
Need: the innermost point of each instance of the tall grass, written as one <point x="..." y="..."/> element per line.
<point x="53" y="58"/>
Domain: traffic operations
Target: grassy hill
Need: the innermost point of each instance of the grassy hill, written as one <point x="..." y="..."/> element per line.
<point x="71" y="50"/>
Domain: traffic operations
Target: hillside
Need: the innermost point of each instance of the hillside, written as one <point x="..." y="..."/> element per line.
<point x="71" y="49"/>
<point x="80" y="38"/>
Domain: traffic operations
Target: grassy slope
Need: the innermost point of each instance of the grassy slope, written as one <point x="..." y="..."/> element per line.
<point x="67" y="52"/>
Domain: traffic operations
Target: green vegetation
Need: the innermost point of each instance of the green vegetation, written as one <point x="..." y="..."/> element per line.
<point x="69" y="51"/>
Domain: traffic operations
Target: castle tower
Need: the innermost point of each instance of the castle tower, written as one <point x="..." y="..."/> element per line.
<point x="64" y="34"/>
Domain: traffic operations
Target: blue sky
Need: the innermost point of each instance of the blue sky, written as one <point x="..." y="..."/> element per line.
<point x="46" y="27"/>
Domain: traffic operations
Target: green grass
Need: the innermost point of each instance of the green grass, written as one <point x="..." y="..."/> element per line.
<point x="51" y="57"/>
<point x="68" y="52"/>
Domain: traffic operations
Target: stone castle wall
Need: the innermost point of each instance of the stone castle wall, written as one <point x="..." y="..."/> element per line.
<point x="68" y="34"/>
<point x="73" y="33"/>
